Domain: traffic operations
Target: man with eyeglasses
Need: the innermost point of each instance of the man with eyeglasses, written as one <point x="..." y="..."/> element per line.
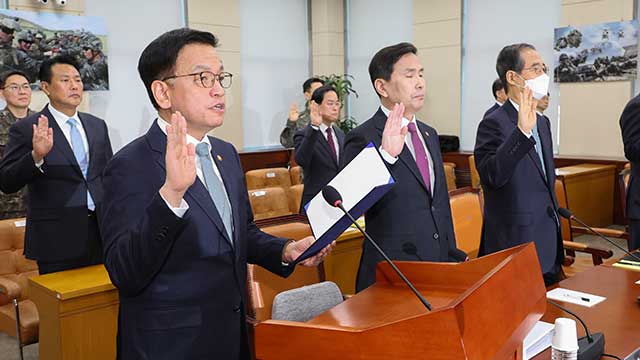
<point x="16" y="92"/>
<point x="59" y="153"/>
<point x="177" y="224"/>
<point x="514" y="157"/>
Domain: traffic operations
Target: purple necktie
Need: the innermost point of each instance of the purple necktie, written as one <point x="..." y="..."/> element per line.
<point x="332" y="145"/>
<point x="421" y="156"/>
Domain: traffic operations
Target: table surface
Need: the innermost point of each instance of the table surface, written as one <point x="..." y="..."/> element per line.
<point x="618" y="317"/>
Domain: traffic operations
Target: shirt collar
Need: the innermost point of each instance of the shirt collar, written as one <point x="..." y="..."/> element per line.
<point x="515" y="105"/>
<point x="499" y="103"/>
<point x="61" y="118"/>
<point x="190" y="139"/>
<point x="405" y="121"/>
<point x="323" y="127"/>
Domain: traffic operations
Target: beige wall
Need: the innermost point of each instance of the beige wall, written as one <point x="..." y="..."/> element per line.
<point x="589" y="112"/>
<point x="437" y="26"/>
<point x="327" y="36"/>
<point x="224" y="22"/>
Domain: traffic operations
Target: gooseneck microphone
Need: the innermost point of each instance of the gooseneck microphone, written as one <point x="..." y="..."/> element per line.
<point x="590" y="347"/>
<point x="333" y="198"/>
<point x="568" y="215"/>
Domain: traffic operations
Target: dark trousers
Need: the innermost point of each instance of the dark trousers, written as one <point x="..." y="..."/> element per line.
<point x="634" y="234"/>
<point x="93" y="256"/>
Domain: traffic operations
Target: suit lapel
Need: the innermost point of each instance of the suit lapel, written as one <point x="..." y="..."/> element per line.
<point x="60" y="142"/>
<point x="547" y="148"/>
<point x="197" y="193"/>
<point x="433" y="144"/>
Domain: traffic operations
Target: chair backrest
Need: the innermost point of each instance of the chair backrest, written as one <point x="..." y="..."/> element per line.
<point x="561" y="195"/>
<point x="307" y="302"/>
<point x="450" y="175"/>
<point x="466" y="210"/>
<point x="264" y="178"/>
<point x="269" y="202"/>
<point x="295" y="197"/>
<point x="475" y="177"/>
<point x="13" y="265"/>
<point x="295" y="172"/>
<point x="263" y="286"/>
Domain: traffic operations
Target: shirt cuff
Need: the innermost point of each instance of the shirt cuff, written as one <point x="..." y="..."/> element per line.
<point x="529" y="135"/>
<point x="178" y="211"/>
<point x="39" y="165"/>
<point x="388" y="158"/>
<point x="315" y="127"/>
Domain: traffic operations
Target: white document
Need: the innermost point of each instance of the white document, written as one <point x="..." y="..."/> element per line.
<point x="575" y="297"/>
<point x="537" y="340"/>
<point x="363" y="174"/>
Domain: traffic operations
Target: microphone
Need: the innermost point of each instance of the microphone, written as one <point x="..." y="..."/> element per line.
<point x="411" y="249"/>
<point x="333" y="198"/>
<point x="568" y="215"/>
<point x="590" y="347"/>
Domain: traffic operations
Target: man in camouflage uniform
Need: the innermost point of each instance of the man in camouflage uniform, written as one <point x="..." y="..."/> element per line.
<point x="15" y="89"/>
<point x="27" y="62"/>
<point x="8" y="54"/>
<point x="94" y="72"/>
<point x="297" y="121"/>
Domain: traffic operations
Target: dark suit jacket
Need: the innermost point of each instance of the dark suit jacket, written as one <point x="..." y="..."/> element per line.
<point x="408" y="213"/>
<point x="519" y="201"/>
<point x="314" y="155"/>
<point x="630" y="126"/>
<point x="57" y="202"/>
<point x="182" y="285"/>
<point x="493" y="108"/>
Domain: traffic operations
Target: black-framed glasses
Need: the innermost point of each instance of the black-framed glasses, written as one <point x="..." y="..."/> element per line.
<point x="538" y="69"/>
<point x="16" y="87"/>
<point x="208" y="79"/>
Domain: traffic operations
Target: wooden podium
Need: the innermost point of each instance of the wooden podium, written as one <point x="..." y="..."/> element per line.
<point x="482" y="309"/>
<point x="78" y="314"/>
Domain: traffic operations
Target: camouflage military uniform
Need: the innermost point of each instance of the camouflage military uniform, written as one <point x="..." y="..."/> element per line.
<point x="95" y="75"/>
<point x="8" y="58"/>
<point x="286" y="136"/>
<point x="11" y="205"/>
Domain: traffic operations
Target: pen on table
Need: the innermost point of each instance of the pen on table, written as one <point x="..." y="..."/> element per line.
<point x="577" y="297"/>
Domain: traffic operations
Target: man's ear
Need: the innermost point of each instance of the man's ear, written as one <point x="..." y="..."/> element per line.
<point x="161" y="94"/>
<point x="45" y="87"/>
<point x="307" y="95"/>
<point x="379" y="85"/>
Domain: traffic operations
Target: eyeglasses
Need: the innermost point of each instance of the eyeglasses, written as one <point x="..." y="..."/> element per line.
<point x="15" y="88"/>
<point x="538" y="69"/>
<point x="208" y="79"/>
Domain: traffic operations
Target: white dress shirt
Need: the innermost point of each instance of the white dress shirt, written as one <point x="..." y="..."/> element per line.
<point x="409" y="144"/>
<point x="179" y="211"/>
<point x="323" y="129"/>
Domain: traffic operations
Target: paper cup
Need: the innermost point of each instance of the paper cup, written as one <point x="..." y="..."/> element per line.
<point x="564" y="336"/>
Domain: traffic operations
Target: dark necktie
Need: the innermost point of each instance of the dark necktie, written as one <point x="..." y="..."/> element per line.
<point x="421" y="156"/>
<point x="332" y="145"/>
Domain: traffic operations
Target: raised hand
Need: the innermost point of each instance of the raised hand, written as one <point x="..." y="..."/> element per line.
<point x="180" y="161"/>
<point x="296" y="249"/>
<point x="314" y="113"/>
<point x="42" y="141"/>
<point x="394" y="133"/>
<point x="527" y="111"/>
<point x="293" y="112"/>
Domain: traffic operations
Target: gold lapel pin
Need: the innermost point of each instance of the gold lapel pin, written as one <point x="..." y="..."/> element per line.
<point x="219" y="158"/>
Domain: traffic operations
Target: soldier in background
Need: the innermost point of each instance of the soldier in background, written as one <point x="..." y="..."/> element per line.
<point x="15" y="89"/>
<point x="26" y="57"/>
<point x="94" y="72"/>
<point x="8" y="54"/>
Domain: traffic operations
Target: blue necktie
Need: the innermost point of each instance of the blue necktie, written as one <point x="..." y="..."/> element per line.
<point x="81" y="156"/>
<point x="536" y="137"/>
<point x="215" y="187"/>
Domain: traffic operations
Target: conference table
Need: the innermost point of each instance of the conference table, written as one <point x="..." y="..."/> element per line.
<point x="618" y="317"/>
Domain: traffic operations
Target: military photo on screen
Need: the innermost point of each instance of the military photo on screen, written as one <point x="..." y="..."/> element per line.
<point x="28" y="38"/>
<point x="599" y="52"/>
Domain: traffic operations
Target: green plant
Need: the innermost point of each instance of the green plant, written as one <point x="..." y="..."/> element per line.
<point x="344" y="88"/>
